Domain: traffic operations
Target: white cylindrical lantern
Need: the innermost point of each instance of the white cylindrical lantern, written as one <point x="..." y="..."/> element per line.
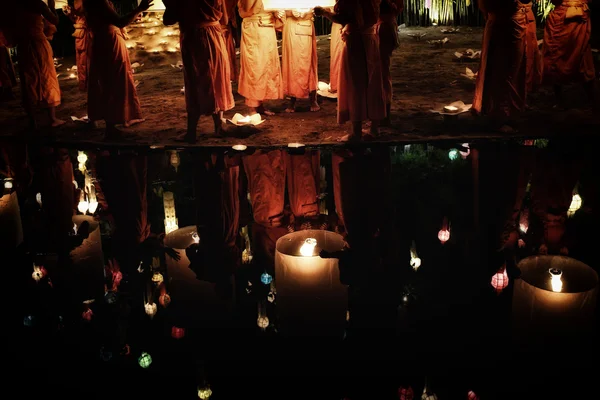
<point x="311" y="300"/>
<point x="555" y="298"/>
<point x="11" y="230"/>
<point x="88" y="260"/>
<point x="188" y="291"/>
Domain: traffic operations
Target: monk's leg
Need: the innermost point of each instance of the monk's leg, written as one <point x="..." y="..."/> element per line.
<point x="292" y="107"/>
<point x="356" y="131"/>
<point x="257" y="107"/>
<point x="218" y="122"/>
<point x="54" y="122"/>
<point x="314" y="103"/>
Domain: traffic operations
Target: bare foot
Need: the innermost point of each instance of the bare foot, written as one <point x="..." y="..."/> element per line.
<point x="287" y="110"/>
<point x="314" y="107"/>
<point x="134" y="122"/>
<point x="57" y="122"/>
<point x="186" y="137"/>
<point x="268" y="112"/>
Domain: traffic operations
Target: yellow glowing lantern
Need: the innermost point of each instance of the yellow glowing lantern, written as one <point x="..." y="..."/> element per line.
<point x="171" y="222"/>
<point x="151" y="309"/>
<point x="83" y="205"/>
<point x="554" y="300"/>
<point x="263" y="322"/>
<point x="157" y="278"/>
<point x="81" y="159"/>
<point x="239" y="147"/>
<point x="204" y="393"/>
<point x="576" y="202"/>
<point x="311" y="299"/>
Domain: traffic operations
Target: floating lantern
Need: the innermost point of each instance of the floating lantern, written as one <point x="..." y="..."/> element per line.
<point x="311" y="299"/>
<point x="500" y="280"/>
<point x="554" y="299"/>
<point x="81" y="159"/>
<point x="151" y="309"/>
<point x="177" y="333"/>
<point x="157" y="278"/>
<point x="39" y="272"/>
<point x="87" y="314"/>
<point x="575" y="205"/>
<point x="266" y="279"/>
<point x="472" y="396"/>
<point x="204" y="393"/>
<point x="246" y="256"/>
<point x="164" y="300"/>
<point x="145" y="360"/>
<point x="453" y="154"/>
<point x="405" y="393"/>
<point x="262" y="322"/>
<point x="415" y="261"/>
<point x="444" y="233"/>
<point x="83" y="205"/>
<point x="239" y="147"/>
<point x="171" y="221"/>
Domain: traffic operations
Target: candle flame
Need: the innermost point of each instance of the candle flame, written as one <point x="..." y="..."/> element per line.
<point x="308" y="247"/>
<point x="555" y="280"/>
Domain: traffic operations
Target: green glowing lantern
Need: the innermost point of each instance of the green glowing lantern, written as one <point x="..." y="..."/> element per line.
<point x="453" y="154"/>
<point x="145" y="360"/>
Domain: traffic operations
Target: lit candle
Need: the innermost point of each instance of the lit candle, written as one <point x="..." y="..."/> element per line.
<point x="308" y="247"/>
<point x="83" y="205"/>
<point x="450" y="109"/>
<point x="239" y="147"/>
<point x="555" y="281"/>
<point x="295" y="145"/>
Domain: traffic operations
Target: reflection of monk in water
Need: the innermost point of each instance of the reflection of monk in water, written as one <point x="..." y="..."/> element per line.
<point x="82" y="41"/>
<point x="388" y="42"/>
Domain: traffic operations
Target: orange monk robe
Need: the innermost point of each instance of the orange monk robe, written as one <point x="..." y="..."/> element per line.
<point x="388" y="40"/>
<point x="337" y="45"/>
<point x="260" y="69"/>
<point x="112" y="95"/>
<point x="229" y="28"/>
<point x="82" y="42"/>
<point x="39" y="84"/>
<point x="511" y="64"/>
<point x="206" y="68"/>
<point x="299" y="60"/>
<point x="303" y="179"/>
<point x="567" y="51"/>
<point x="360" y="94"/>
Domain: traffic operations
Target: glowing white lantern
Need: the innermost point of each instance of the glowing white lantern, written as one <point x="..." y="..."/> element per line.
<point x="38" y="199"/>
<point x="171" y="221"/>
<point x="92" y="205"/>
<point x="465" y="154"/>
<point x="239" y="147"/>
<point x="204" y="393"/>
<point x="151" y="309"/>
<point x="8" y="185"/>
<point x="555" y="281"/>
<point x="575" y="205"/>
<point x="82" y="159"/>
<point x="444" y="235"/>
<point x="311" y="299"/>
<point x="263" y="322"/>
<point x="415" y="261"/>
<point x="83" y="205"/>
<point x="38" y="272"/>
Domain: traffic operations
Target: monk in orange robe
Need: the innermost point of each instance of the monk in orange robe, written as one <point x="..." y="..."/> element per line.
<point x="567" y="51"/>
<point x="510" y="61"/>
<point x="82" y="41"/>
<point x="260" y="69"/>
<point x="388" y="42"/>
<point x="360" y="94"/>
<point x="39" y="84"/>
<point x="299" y="60"/>
<point x="229" y="27"/>
<point x="112" y="95"/>
<point x="206" y="66"/>
<point x="303" y="179"/>
<point x="335" y="52"/>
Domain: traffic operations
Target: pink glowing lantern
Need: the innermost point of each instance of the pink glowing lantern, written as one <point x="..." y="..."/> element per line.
<point x="87" y="315"/>
<point x="444" y="233"/>
<point x="164" y="300"/>
<point x="177" y="333"/>
<point x="472" y="396"/>
<point x="500" y="280"/>
<point x="405" y="393"/>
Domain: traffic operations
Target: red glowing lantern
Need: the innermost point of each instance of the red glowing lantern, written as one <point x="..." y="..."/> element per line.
<point x="164" y="300"/>
<point x="472" y="396"/>
<point x="87" y="314"/>
<point x="444" y="233"/>
<point x="500" y="280"/>
<point x="406" y="393"/>
<point x="177" y="333"/>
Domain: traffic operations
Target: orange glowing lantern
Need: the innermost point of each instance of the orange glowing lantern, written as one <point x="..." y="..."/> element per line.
<point x="177" y="333"/>
<point x="444" y="233"/>
<point x="500" y="280"/>
<point x="472" y="396"/>
<point x="405" y="393"/>
<point x="164" y="300"/>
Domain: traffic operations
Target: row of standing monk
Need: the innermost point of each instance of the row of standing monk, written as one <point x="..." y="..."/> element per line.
<point x="364" y="35"/>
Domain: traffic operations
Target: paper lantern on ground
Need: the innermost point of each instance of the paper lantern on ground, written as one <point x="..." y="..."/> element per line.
<point x="472" y="396"/>
<point x="554" y="299"/>
<point x="405" y="393"/>
<point x="500" y="280"/>
<point x="311" y="299"/>
<point x="11" y="232"/>
<point x="204" y="393"/>
<point x="177" y="333"/>
<point x="145" y="360"/>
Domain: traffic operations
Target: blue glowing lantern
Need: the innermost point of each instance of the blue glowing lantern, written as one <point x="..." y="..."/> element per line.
<point x="453" y="154"/>
<point x="266" y="279"/>
<point x="29" y="321"/>
<point x="145" y="360"/>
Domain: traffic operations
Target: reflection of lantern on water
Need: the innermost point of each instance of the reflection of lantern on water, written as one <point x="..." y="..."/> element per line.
<point x="575" y="205"/>
<point x="453" y="154"/>
<point x="83" y="205"/>
<point x="311" y="299"/>
<point x="11" y="229"/>
<point x="472" y="396"/>
<point x="38" y="199"/>
<point x="444" y="233"/>
<point x="151" y="309"/>
<point x="262" y="322"/>
<point x="8" y="185"/>
<point x="467" y="150"/>
<point x="500" y="280"/>
<point x="415" y="261"/>
<point x="164" y="300"/>
<point x="171" y="222"/>
<point x="177" y="333"/>
<point x="524" y="221"/>
<point x="204" y="393"/>
<point x="157" y="278"/>
<point x="38" y="272"/>
<point x="145" y="360"/>
<point x="82" y="159"/>
<point x="87" y="314"/>
<point x="266" y="278"/>
<point x="427" y="395"/>
<point x="405" y="393"/>
<point x="554" y="298"/>
<point x="29" y="321"/>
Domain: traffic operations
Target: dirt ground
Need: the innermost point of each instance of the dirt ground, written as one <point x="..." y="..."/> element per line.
<point x="425" y="77"/>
